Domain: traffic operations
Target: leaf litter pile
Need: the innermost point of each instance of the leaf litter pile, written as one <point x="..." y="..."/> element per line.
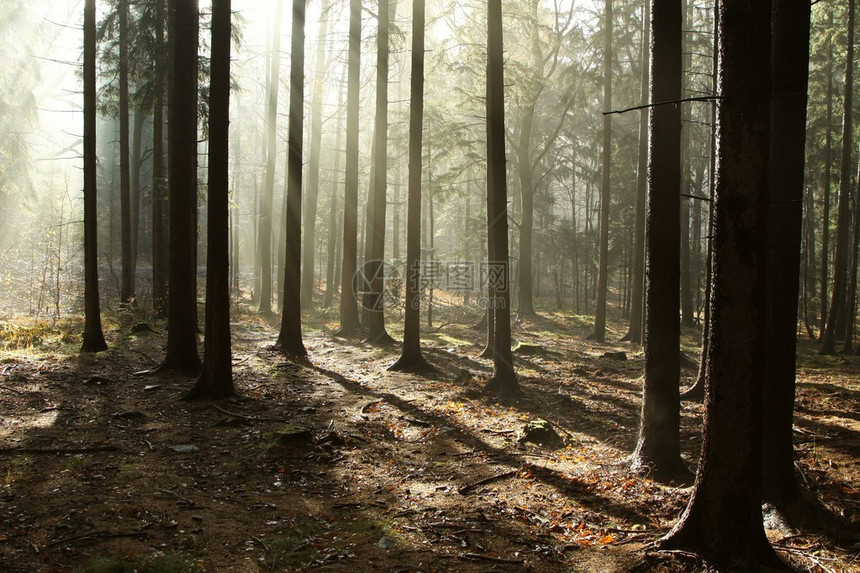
<point x="336" y="463"/>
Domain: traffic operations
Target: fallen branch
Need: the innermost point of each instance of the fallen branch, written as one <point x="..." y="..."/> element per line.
<point x="368" y="405"/>
<point x="250" y="418"/>
<point x="182" y="498"/>
<point x="490" y="558"/>
<point x="805" y="555"/>
<point x="59" y="451"/>
<point x="469" y="487"/>
<point x="98" y="534"/>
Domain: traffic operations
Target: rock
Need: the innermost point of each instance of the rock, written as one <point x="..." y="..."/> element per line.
<point x="540" y="431"/>
<point x="185" y="448"/>
<point x="620" y="355"/>
<point x="141" y="329"/>
<point x="530" y="350"/>
<point x="293" y="436"/>
<point x="386" y="542"/>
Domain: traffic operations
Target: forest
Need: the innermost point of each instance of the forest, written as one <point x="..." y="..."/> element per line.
<point x="429" y="285"/>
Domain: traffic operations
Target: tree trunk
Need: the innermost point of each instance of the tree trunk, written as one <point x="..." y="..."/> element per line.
<point x="659" y="446"/>
<point x="825" y="200"/>
<point x="851" y="295"/>
<point x="840" y="259"/>
<point x="264" y="240"/>
<point x="216" y="380"/>
<point x="723" y="520"/>
<point x="313" y="187"/>
<point x="93" y="339"/>
<point x="504" y="380"/>
<point x="127" y="290"/>
<point x="527" y="192"/>
<point x="290" y="338"/>
<point x="696" y="393"/>
<point x="159" y="187"/>
<point x="599" y="332"/>
<point x="330" y="282"/>
<point x="411" y="359"/>
<point x="634" y="334"/>
<point x="686" y="183"/>
<point x="349" y="323"/>
<point x="790" y="61"/>
<point x="374" y="267"/>
<point x="182" y="352"/>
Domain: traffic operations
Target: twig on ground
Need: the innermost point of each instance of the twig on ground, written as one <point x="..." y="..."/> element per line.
<point x="480" y="557"/>
<point x="469" y="487"/>
<point x="250" y="418"/>
<point x="362" y="413"/>
<point x="188" y="501"/>
<point x="59" y="451"/>
<point x="98" y="534"/>
<point x="256" y="539"/>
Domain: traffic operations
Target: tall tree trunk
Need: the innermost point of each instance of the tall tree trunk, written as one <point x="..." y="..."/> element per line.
<point x="376" y="323"/>
<point x="825" y="200"/>
<point x="504" y="380"/>
<point x="659" y="446"/>
<point x="93" y="339"/>
<point x="330" y="282"/>
<point x="696" y="392"/>
<point x="723" y="520"/>
<point x="182" y="352"/>
<point x="313" y="187"/>
<point x="686" y="183"/>
<point x="790" y="61"/>
<point x="216" y="379"/>
<point x="349" y="322"/>
<point x="134" y="212"/>
<point x="851" y="302"/>
<point x="809" y="260"/>
<point x="290" y="338"/>
<point x="527" y="192"/>
<point x="411" y="359"/>
<point x="599" y="332"/>
<point x="159" y="178"/>
<point x="634" y="334"/>
<point x="264" y="241"/>
<point x="127" y="290"/>
<point x="836" y="310"/>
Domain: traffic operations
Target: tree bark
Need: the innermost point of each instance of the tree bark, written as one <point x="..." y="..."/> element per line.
<point x="182" y="352"/>
<point x="93" y="339"/>
<point x="127" y="290"/>
<point x="290" y="338"/>
<point x="264" y="241"/>
<point x="723" y="520"/>
<point x="790" y="61"/>
<point x="504" y="380"/>
<point x="836" y="310"/>
<point x="313" y="187"/>
<point x="634" y="333"/>
<point x="216" y="380"/>
<point x="374" y="267"/>
<point x="411" y="358"/>
<point x="349" y="322"/>
<point x="825" y="200"/>
<point x="599" y="332"/>
<point x="658" y="447"/>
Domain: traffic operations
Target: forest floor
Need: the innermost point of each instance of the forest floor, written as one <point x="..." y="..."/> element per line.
<point x="337" y="464"/>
